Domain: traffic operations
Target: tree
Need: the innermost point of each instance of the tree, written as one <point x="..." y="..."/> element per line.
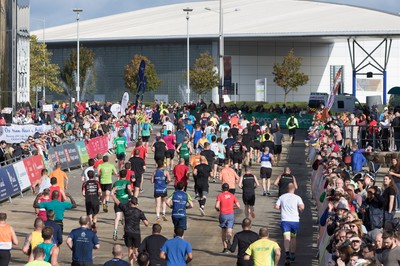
<point x="288" y="75"/>
<point x="131" y="74"/>
<point x="42" y="72"/>
<point x="87" y="73"/>
<point x="202" y="76"/>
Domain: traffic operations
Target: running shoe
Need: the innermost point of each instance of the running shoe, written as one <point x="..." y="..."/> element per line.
<point x="141" y="190"/>
<point x="228" y="243"/>
<point x="164" y="218"/>
<point x="268" y="193"/>
<point x="264" y="193"/>
<point x="213" y="180"/>
<point x="292" y="257"/>
<point x="115" y="235"/>
<point x="197" y="196"/>
<point x="226" y="251"/>
<point x="105" y="208"/>
<point x="116" y="160"/>
<point x="158" y="220"/>
<point x="202" y="211"/>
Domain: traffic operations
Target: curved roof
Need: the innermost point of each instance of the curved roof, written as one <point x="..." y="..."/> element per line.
<point x="256" y="18"/>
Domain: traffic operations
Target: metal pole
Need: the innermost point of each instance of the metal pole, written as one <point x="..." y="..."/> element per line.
<point x="187" y="10"/>
<point x="77" y="11"/>
<point x="44" y="59"/>
<point x="221" y="50"/>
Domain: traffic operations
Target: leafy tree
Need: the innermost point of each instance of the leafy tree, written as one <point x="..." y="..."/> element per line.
<point x="87" y="72"/>
<point x="288" y="75"/>
<point x="203" y="77"/>
<point x="42" y="71"/>
<point x="131" y="74"/>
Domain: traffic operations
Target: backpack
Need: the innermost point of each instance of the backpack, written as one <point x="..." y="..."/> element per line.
<point x="291" y="122"/>
<point x="145" y="126"/>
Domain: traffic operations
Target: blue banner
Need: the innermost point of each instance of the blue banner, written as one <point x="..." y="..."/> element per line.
<point x="9" y="184"/>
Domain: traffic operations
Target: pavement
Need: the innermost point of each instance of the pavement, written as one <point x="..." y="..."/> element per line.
<point x="203" y="232"/>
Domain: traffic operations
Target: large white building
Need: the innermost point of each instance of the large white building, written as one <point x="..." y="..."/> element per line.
<point x="257" y="34"/>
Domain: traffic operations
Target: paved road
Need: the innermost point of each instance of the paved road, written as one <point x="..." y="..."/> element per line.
<point x="203" y="232"/>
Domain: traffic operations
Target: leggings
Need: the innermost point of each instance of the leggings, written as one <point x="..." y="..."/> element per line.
<point x="5" y="257"/>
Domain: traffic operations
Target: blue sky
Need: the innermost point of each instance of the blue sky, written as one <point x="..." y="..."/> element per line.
<point x="58" y="12"/>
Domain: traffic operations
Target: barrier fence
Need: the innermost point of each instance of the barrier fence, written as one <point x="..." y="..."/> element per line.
<point x="19" y="176"/>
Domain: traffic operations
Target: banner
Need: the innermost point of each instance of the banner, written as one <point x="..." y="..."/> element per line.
<point x="53" y="157"/>
<point x="83" y="153"/>
<point x="19" y="133"/>
<point x="34" y="166"/>
<point x="72" y="155"/>
<point x="22" y="175"/>
<point x="304" y="120"/>
<point x="8" y="173"/>
<point x="97" y="145"/>
<point x="62" y="157"/>
<point x="261" y="90"/>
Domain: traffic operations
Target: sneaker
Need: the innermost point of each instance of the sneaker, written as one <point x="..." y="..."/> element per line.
<point x="292" y="257"/>
<point x="197" y="196"/>
<point x="158" y="220"/>
<point x="287" y="261"/>
<point x="228" y="243"/>
<point x="164" y="218"/>
<point x="202" y="211"/>
<point x="141" y="190"/>
<point x="115" y="235"/>
<point x="105" y="208"/>
<point x="213" y="180"/>
<point x="225" y="251"/>
<point x="268" y="193"/>
<point x="116" y="160"/>
<point x="264" y="193"/>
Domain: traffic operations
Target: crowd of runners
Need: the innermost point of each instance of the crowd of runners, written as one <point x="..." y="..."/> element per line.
<point x="190" y="150"/>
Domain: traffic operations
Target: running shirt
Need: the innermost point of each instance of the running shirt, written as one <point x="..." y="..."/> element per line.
<point x="159" y="149"/>
<point x="227" y="201"/>
<point x="210" y="156"/>
<point x="5" y="237"/>
<point x="237" y="147"/>
<point x="184" y="151"/>
<point x="262" y="252"/>
<point x="47" y="250"/>
<point x="160" y="181"/>
<point x="91" y="189"/>
<point x="203" y="173"/>
<point x="44" y="184"/>
<point x="221" y="154"/>
<point x="146" y="127"/>
<point x="266" y="160"/>
<point x="106" y="171"/>
<point x="248" y="184"/>
<point x="284" y="182"/>
<point x="133" y="216"/>
<point x="85" y="172"/>
<point x="289" y="203"/>
<point x="169" y="140"/>
<point x="179" y="199"/>
<point x="278" y="136"/>
<point x="36" y="239"/>
<point x="121" y="190"/>
<point x="215" y="148"/>
<point x="197" y="136"/>
<point x="120" y="144"/>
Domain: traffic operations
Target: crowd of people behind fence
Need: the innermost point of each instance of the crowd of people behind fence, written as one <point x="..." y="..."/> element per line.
<point x="356" y="214"/>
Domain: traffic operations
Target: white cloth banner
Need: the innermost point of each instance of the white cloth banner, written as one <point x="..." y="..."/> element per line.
<point x="18" y="133"/>
<point x="23" y="178"/>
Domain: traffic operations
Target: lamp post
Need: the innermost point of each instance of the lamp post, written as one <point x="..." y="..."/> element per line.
<point x="221" y="45"/>
<point x="44" y="58"/>
<point x="187" y="10"/>
<point x="78" y="89"/>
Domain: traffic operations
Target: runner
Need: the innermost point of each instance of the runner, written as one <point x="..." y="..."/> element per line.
<point x="106" y="171"/>
<point x="84" y="176"/>
<point x="170" y="141"/>
<point x="159" y="148"/>
<point x="266" y="159"/>
<point x="55" y="187"/>
<point x="237" y="150"/>
<point x="184" y="150"/>
<point x="61" y="176"/>
<point x="120" y="144"/>
<point x="138" y="166"/>
<point x="274" y="125"/>
<point x="181" y="174"/>
<point x="229" y="176"/>
<point x="8" y="238"/>
<point x="41" y="213"/>
<point x="243" y="240"/>
<point x="152" y="245"/>
<point x="278" y="139"/>
<point x="33" y="239"/>
<point x="202" y="173"/>
<point x="130" y="176"/>
<point x="43" y="182"/>
<point x="160" y="179"/>
<point x="146" y="130"/>
<point x="264" y="251"/>
<point x="290" y="205"/>
<point x="142" y="150"/>
<point x="225" y="205"/>
<point x="248" y="182"/>
<point x="283" y="181"/>
<point x="51" y="250"/>
<point x="133" y="216"/>
<point x="292" y="124"/>
<point x="91" y="190"/>
<point x="177" y="251"/>
<point x="210" y="156"/>
<point x="179" y="201"/>
<point x="122" y="191"/>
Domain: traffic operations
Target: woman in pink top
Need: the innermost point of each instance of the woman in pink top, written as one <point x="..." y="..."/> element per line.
<point x="169" y="154"/>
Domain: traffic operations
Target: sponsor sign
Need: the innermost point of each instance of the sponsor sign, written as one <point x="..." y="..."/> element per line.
<point x="19" y="133"/>
<point x="22" y="175"/>
<point x="72" y="155"/>
<point x="34" y="166"/>
<point x="62" y="157"/>
<point x="83" y="153"/>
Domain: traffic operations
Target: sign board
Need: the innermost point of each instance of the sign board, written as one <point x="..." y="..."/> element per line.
<point x="19" y="133"/>
<point x="62" y="157"/>
<point x="72" y="155"/>
<point x="83" y="153"/>
<point x="261" y="90"/>
<point x="34" y="166"/>
<point x="12" y="185"/>
<point x="22" y="175"/>
<point x="161" y="97"/>
<point x="47" y="108"/>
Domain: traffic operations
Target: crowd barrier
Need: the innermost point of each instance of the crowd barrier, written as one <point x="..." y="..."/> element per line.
<point x="19" y="176"/>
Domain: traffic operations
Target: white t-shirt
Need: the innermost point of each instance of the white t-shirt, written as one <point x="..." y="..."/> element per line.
<point x="169" y="126"/>
<point x="289" y="204"/>
<point x="84" y="173"/>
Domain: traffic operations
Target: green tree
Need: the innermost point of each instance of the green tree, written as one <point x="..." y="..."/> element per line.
<point x="288" y="75"/>
<point x="131" y="74"/>
<point x="87" y="72"/>
<point x="42" y="72"/>
<point x="202" y="76"/>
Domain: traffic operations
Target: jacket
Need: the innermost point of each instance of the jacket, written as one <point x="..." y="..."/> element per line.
<point x="357" y="161"/>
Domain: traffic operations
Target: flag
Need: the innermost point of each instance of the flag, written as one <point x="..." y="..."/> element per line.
<point x="140" y="83"/>
<point x="334" y="90"/>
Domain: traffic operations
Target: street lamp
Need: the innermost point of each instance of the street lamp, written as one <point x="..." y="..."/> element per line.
<point x="187" y="10"/>
<point x="78" y="89"/>
<point x="221" y="45"/>
<point x="44" y="59"/>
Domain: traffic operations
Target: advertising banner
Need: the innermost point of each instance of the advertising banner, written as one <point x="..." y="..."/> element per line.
<point x="62" y="157"/>
<point x="261" y="90"/>
<point x="5" y="186"/>
<point x="304" y="120"/>
<point x="22" y="175"/>
<point x="12" y="186"/>
<point x="72" y="154"/>
<point x="18" y="133"/>
<point x="83" y="153"/>
<point x="34" y="166"/>
<point x="97" y="145"/>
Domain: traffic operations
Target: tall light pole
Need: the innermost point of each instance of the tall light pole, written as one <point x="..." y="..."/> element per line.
<point x="78" y="89"/>
<point x="44" y="58"/>
<point x="187" y="10"/>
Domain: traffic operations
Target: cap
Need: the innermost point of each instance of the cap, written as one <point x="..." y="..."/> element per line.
<point x="341" y="206"/>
